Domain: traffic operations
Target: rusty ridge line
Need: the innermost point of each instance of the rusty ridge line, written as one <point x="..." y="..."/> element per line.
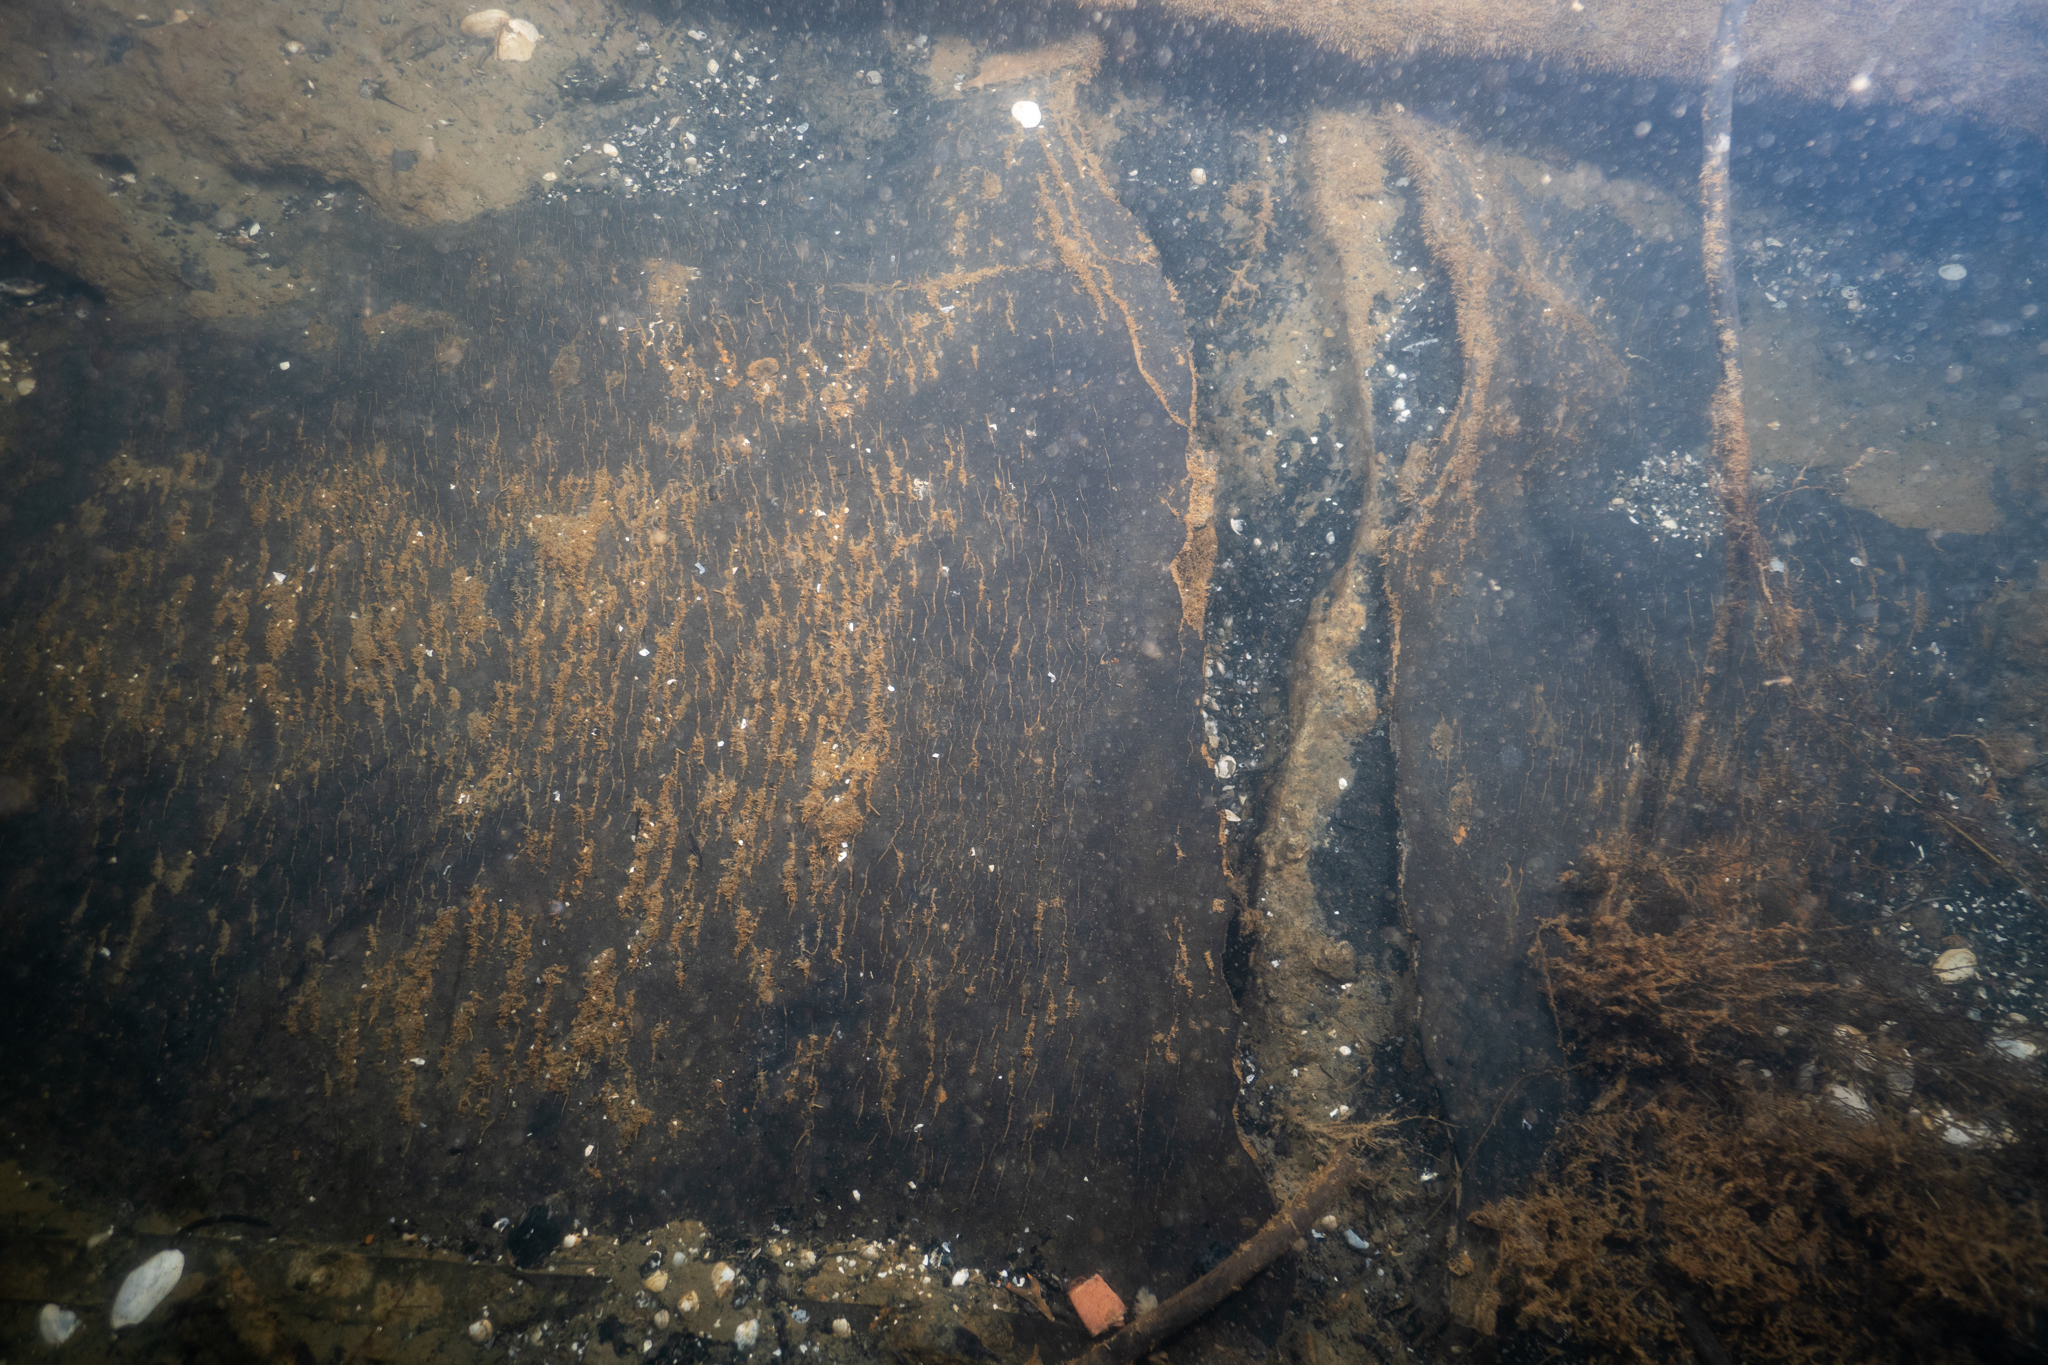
<point x="1081" y="254"/>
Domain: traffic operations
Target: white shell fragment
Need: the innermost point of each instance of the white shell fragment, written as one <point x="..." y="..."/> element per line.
<point x="1226" y="767"/>
<point x="515" y="37"/>
<point x="1848" y="1101"/>
<point x="1198" y="176"/>
<point x="481" y="1331"/>
<point x="1955" y="966"/>
<point x="148" y="1285"/>
<point x="2019" y="1049"/>
<point x="55" y="1324"/>
<point x="841" y="1327"/>
<point x="485" y="23"/>
<point x="1026" y="113"/>
<point x="746" y="1334"/>
<point x="517" y="42"/>
<point x="1953" y="271"/>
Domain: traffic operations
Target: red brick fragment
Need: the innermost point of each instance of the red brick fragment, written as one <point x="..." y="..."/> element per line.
<point x="1097" y="1303"/>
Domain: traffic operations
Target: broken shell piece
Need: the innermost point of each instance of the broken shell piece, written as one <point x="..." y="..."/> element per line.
<point x="2019" y="1049"/>
<point x="841" y="1327"/>
<point x="746" y="1334"/>
<point x="1848" y="1101"/>
<point x="688" y="1303"/>
<point x="481" y="1331"/>
<point x="515" y="37"/>
<point x="55" y="1324"/>
<point x="1955" y="966"/>
<point x="656" y="1282"/>
<point x="722" y="1276"/>
<point x="517" y="42"/>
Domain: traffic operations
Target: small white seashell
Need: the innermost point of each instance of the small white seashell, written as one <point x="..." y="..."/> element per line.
<point x="517" y="42"/>
<point x="148" y="1285"/>
<point x="746" y="1334"/>
<point x="1198" y="176"/>
<point x="1026" y="112"/>
<point x="1953" y="271"/>
<point x="722" y="1276"/>
<point x="656" y="1282"/>
<point x="485" y="23"/>
<point x="611" y="150"/>
<point x="295" y="48"/>
<point x="55" y="1324"/>
<point x="661" y="1317"/>
<point x="1849" y="1101"/>
<point x="25" y="387"/>
<point x="807" y="1258"/>
<point x="841" y="1327"/>
<point x="711" y="66"/>
<point x="1226" y="767"/>
<point x="569" y="1242"/>
<point x="1955" y="966"/>
<point x="481" y="1331"/>
<point x="959" y="1278"/>
<point x="1357" y="1243"/>
<point x="2019" y="1049"/>
<point x="688" y="1302"/>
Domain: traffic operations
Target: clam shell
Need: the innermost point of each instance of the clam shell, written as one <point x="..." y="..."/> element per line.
<point x="55" y="1324"/>
<point x="517" y="42"/>
<point x="1955" y="966"/>
<point x="485" y="23"/>
<point x="148" y="1285"/>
